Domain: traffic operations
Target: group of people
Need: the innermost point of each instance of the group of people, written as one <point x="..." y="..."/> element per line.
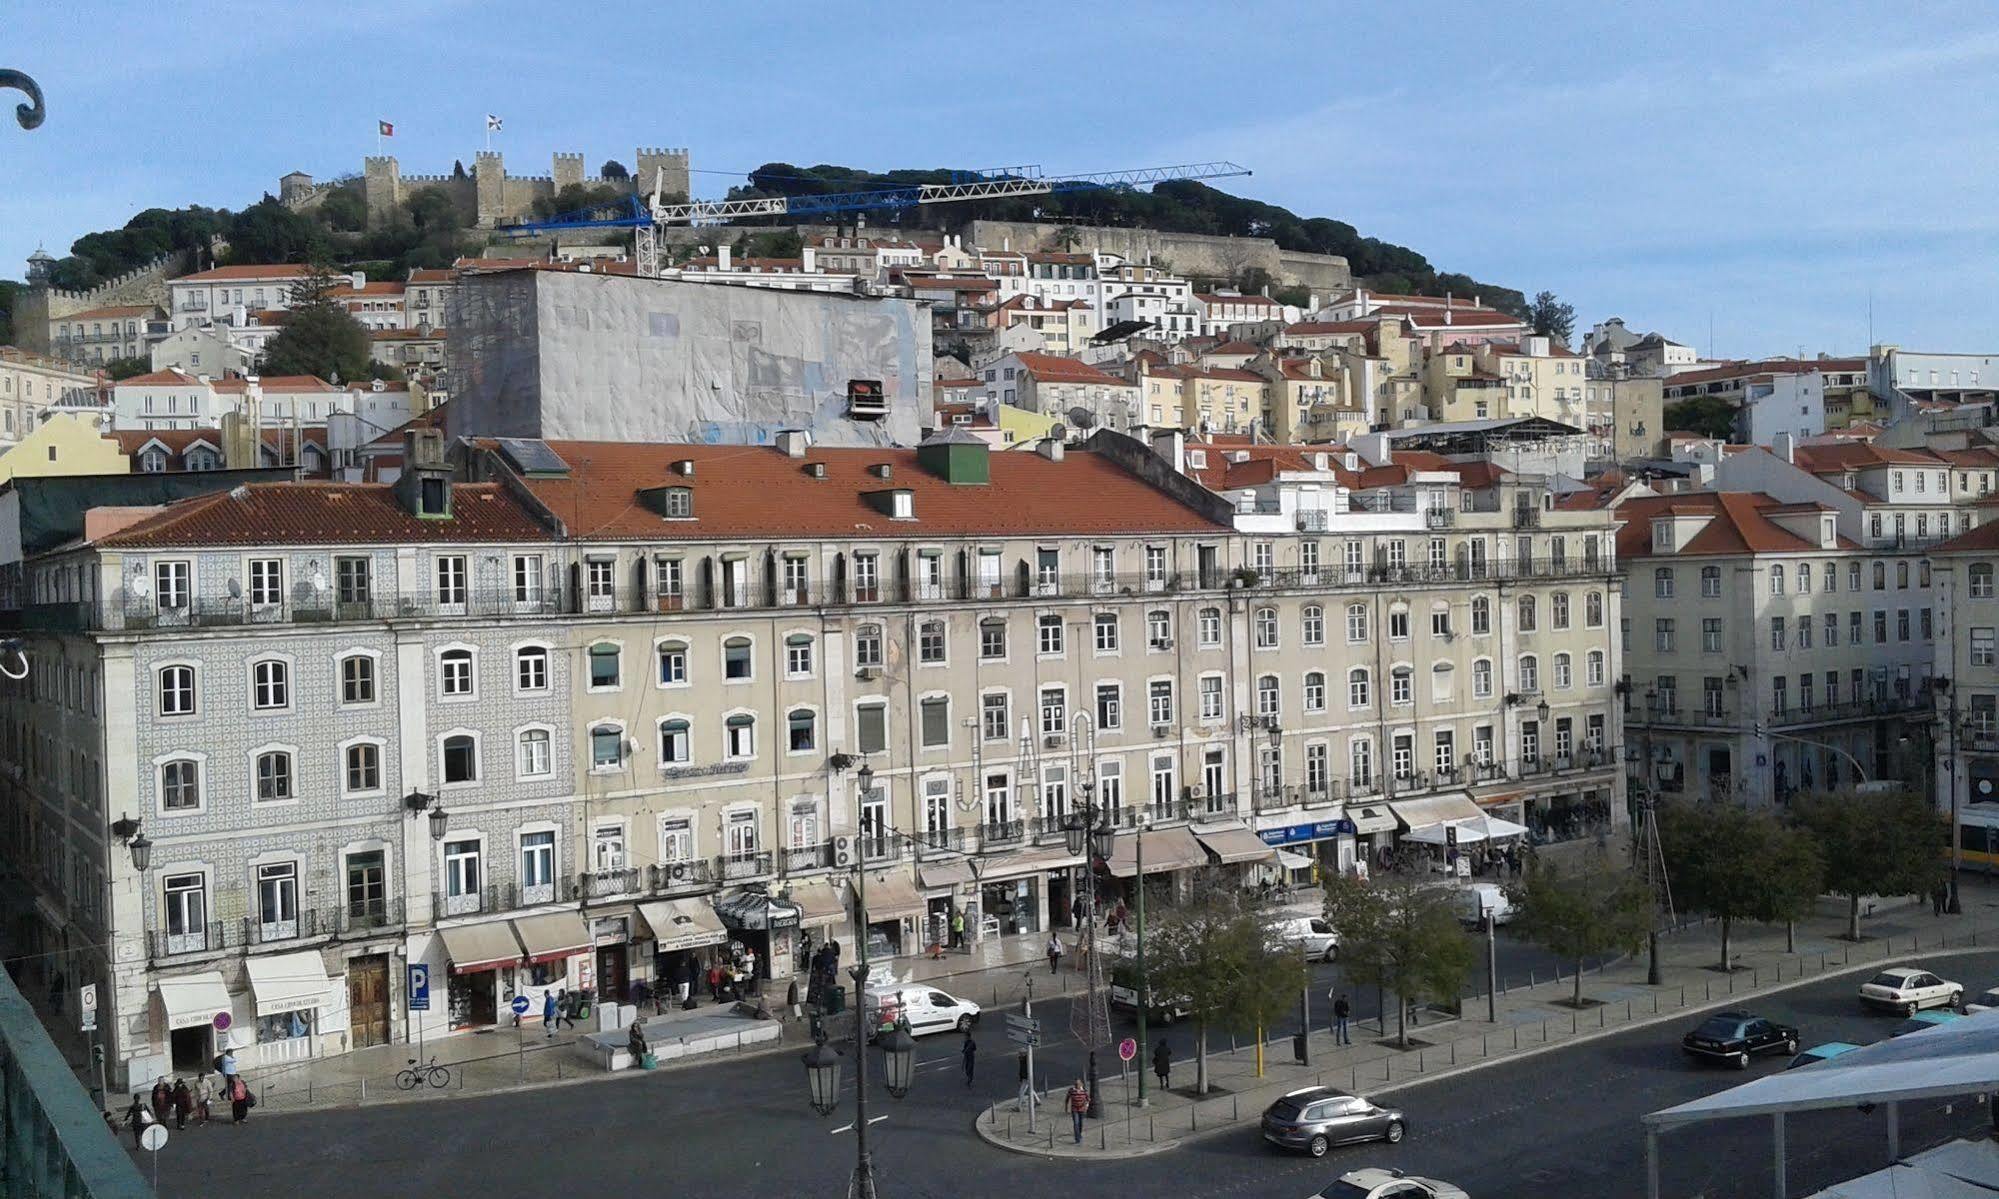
<point x="179" y="1102"/>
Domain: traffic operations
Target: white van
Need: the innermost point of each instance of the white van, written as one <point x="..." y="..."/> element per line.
<point x="1476" y="901"/>
<point x="928" y="1009"/>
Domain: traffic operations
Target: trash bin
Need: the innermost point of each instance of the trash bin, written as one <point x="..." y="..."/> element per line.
<point x="834" y="1000"/>
<point x="1298" y="1047"/>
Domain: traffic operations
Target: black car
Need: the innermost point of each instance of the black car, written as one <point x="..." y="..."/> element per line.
<point x="1735" y="1037"/>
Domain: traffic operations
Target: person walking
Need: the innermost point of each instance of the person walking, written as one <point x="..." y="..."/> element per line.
<point x="183" y="1104"/>
<point x="163" y="1098"/>
<point x="970" y="1052"/>
<point x="1162" y="1064"/>
<point x="1342" y="1012"/>
<point x="226" y="1066"/>
<point x="1054" y="953"/>
<point x="1079" y="1103"/>
<point x="239" y="1099"/>
<point x="957" y="928"/>
<point x="548" y="1013"/>
<point x="137" y="1117"/>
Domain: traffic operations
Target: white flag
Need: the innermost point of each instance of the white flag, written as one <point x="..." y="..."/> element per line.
<point x="492" y="123"/>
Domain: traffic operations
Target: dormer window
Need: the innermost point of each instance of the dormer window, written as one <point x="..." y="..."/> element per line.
<point x="1662" y="536"/>
<point x="434" y="496"/>
<point x="680" y="503"/>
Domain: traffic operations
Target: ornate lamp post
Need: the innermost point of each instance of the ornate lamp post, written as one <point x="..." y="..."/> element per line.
<point x="1089" y="832"/>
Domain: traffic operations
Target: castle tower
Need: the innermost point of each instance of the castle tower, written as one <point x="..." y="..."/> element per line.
<point x="294" y="187"/>
<point x="40" y="263"/>
<point x="567" y="171"/>
<point x="382" y="186"/>
<point x="668" y="166"/>
<point x="489" y="177"/>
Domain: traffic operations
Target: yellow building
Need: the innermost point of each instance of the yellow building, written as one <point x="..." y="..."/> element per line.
<point x="1457" y="387"/>
<point x="1541" y="378"/>
<point x="65" y="444"/>
<point x="1295" y="385"/>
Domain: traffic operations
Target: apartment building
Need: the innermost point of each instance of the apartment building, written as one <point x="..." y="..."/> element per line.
<point x="212" y="295"/>
<point x="600" y="706"/>
<point x="173" y="399"/>
<point x="100" y="335"/>
<point x="1767" y="650"/>
<point x="31" y="385"/>
<point x="1050" y="385"/>
<point x="1965" y="741"/>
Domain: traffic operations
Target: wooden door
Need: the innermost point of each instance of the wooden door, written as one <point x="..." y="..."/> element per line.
<point x="611" y="974"/>
<point x="368" y="999"/>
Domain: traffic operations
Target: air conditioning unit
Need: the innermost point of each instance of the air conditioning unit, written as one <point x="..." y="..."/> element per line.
<point x="843" y="851"/>
<point x="1197" y="791"/>
<point x="868" y="673"/>
<point x="1162" y="643"/>
<point x="1161" y="730"/>
<point x="1052" y="741"/>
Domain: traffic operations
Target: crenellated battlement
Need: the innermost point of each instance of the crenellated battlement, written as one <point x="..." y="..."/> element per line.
<point x="496" y="196"/>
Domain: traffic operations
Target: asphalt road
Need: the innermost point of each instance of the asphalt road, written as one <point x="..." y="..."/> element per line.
<point x="1561" y="1123"/>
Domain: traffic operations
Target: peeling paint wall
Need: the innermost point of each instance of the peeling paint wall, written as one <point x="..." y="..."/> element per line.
<point x="569" y="355"/>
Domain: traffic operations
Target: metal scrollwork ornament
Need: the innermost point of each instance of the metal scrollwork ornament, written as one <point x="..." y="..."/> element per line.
<point x="30" y="114"/>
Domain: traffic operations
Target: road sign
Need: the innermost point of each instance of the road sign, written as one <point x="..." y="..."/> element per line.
<point x="1021" y="1036"/>
<point x="1127" y="1049"/>
<point x="154" y="1138"/>
<point x="222" y="1021"/>
<point x="419" y="987"/>
<point x="87" y="1005"/>
<point x="1022" y="1023"/>
<point x="520" y="1005"/>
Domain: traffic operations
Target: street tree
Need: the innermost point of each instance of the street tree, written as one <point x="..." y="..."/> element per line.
<point x="1709" y="416"/>
<point x="613" y="169"/>
<point x="1219" y="957"/>
<point x="1402" y="936"/>
<point x="1733" y="863"/>
<point x="319" y="337"/>
<point x="1551" y="318"/>
<point x="1878" y="843"/>
<point x="1580" y="906"/>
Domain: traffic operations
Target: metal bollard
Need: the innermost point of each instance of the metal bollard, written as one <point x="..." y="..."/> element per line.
<point x="1627" y="1010"/>
<point x="1454" y="1053"/>
<point x="1235" y="1107"/>
<point x="1482" y="1050"/>
<point x="364" y="1088"/>
<point x="1516" y="1036"/>
<point x="1355" y="1088"/>
<point x="1419" y="1061"/>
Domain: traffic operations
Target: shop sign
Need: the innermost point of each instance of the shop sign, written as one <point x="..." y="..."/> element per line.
<point x="1318" y="830"/>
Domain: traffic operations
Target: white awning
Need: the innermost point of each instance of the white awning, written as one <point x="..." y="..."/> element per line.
<point x="555" y="935"/>
<point x="1484" y="827"/>
<point x="480" y="946"/>
<point x="682" y="923"/>
<point x="1436" y="809"/>
<point x="1166" y="850"/>
<point x="1235" y="844"/>
<point x="1293" y="861"/>
<point x="191" y="1000"/>
<point x="288" y="982"/>
<point x="819" y="902"/>
<point x="1371" y="818"/>
<point x="938" y="875"/>
<point x="891" y="897"/>
<point x="1027" y="861"/>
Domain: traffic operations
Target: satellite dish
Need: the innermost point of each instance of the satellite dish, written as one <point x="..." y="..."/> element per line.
<point x="141" y="586"/>
<point x="235" y="589"/>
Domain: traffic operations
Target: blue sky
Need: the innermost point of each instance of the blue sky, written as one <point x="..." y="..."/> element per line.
<point x="1763" y="167"/>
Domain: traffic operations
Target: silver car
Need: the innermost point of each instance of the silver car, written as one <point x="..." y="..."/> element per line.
<point x="1317" y="1118"/>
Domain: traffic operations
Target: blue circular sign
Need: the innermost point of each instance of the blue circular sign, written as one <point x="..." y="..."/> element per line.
<point x="520" y="1005"/>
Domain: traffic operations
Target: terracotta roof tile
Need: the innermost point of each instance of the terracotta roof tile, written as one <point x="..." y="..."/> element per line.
<point x="237" y="274"/>
<point x="328" y="514"/>
<point x="117" y="311"/>
<point x="1741" y="524"/>
<point x="1053" y="368"/>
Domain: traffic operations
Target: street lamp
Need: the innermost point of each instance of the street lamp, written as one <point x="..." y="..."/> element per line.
<point x="1541" y="709"/>
<point x="142" y="852"/>
<point x="898" y="1060"/>
<point x="822" y="1075"/>
<point x="438" y="823"/>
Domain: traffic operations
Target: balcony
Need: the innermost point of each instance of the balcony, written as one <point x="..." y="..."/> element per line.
<point x="1439" y="518"/>
<point x="366" y="917"/>
<point x="1872" y="709"/>
<point x="1703" y="718"/>
<point x="211" y="937"/>
<point x="881" y="846"/>
<point x="742" y="867"/>
<point x="801" y="858"/>
<point x="681" y="878"/>
<point x="932" y="844"/>
<point x="1526" y="518"/>
<point x="605" y="884"/>
<point x="1001" y="833"/>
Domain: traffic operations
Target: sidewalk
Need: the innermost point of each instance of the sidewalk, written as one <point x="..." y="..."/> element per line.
<point x="994" y="973"/>
<point x="1530" y="1019"/>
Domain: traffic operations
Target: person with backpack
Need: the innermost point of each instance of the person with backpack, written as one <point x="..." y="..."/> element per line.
<point x="240" y="1100"/>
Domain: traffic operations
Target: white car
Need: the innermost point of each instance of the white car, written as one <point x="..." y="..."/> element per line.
<point x="929" y="1010"/>
<point x="1479" y="900"/>
<point x="1908" y="990"/>
<point x="1376" y="1183"/>
<point x="1984" y="1001"/>
<point x="1312" y="932"/>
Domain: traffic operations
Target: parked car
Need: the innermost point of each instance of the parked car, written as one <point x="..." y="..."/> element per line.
<point x="927" y="1009"/>
<point x="1479" y="900"/>
<point x="1908" y="990"/>
<point x="1984" y="1001"/>
<point x="1923" y="1020"/>
<point x="1315" y="1119"/>
<point x="1124" y="994"/>
<point x="1312" y="932"/>
<point x="1821" y="1053"/>
<point x="1376" y="1183"/>
<point x="1735" y="1037"/>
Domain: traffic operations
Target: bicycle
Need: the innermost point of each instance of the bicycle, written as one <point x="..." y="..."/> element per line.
<point x="417" y="1072"/>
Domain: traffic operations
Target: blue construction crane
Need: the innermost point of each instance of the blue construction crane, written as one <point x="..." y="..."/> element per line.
<point x="644" y="217"/>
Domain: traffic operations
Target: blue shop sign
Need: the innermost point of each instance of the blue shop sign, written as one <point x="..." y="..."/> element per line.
<point x="1316" y="831"/>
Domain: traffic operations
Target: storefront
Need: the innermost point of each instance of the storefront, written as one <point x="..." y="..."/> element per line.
<point x="478" y="952"/>
<point x="1015" y="889"/>
<point x="822" y="915"/>
<point x="291" y="992"/>
<point x="1452" y="833"/>
<point x="194" y="1009"/>
<point x="1315" y="846"/>
<point x="548" y="943"/>
<point x="895" y="915"/>
<point x="764" y="925"/>
<point x="612" y="932"/>
<point x="684" y="933"/>
<point x="940" y="882"/>
<point x="1167" y="851"/>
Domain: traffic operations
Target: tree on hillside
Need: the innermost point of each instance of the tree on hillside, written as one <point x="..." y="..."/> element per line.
<point x="1552" y="318"/>
<point x="344" y="208"/>
<point x="1736" y="864"/>
<point x="1875" y="843"/>
<point x="125" y="368"/>
<point x="1401" y="936"/>
<point x="1218" y="955"/>
<point x="319" y="337"/>
<point x="613" y="169"/>
<point x="267" y="231"/>
<point x="1709" y="416"/>
<point x="1577" y="907"/>
<point x="1068" y="237"/>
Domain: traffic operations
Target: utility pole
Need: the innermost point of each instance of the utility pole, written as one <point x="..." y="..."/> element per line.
<point x="1304" y="1008"/>
<point x="1492" y="965"/>
<point x="1026" y="1009"/>
<point x="1144" y="986"/>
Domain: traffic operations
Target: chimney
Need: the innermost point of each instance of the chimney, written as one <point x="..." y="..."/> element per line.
<point x="811" y="263"/>
<point x="1171" y="444"/>
<point x="424" y="487"/>
<point x="1006" y="243"/>
<point x="684" y="468"/>
<point x="359" y="279"/>
<point x="722" y="252"/>
<point x="1782" y="445"/>
<point x="1050" y="448"/>
<point x="793" y="443"/>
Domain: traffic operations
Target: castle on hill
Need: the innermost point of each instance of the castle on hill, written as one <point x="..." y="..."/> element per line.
<point x="497" y="197"/>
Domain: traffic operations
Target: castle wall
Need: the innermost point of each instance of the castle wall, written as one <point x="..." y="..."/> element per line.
<point x="37" y="309"/>
<point x="1195" y="254"/>
<point x="489" y="194"/>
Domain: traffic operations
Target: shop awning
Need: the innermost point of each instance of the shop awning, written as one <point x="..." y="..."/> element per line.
<point x="1372" y="818"/>
<point x="1027" y="861"/>
<point x="192" y="1000"/>
<point x="682" y="923"/>
<point x="756" y="911"/>
<point x="892" y="897"/>
<point x="1166" y="850"/>
<point x="1418" y="814"/>
<point x="1293" y="861"/>
<point x="555" y="935"/>
<point x="940" y="875"/>
<point x="288" y="982"/>
<point x="480" y="946"/>
<point x="1483" y="827"/>
<point x="1235" y="844"/>
<point x="818" y="902"/>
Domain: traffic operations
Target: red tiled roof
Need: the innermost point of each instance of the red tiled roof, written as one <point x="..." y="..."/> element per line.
<point x="115" y="311"/>
<point x="759" y="492"/>
<point x="1743" y="369"/>
<point x="235" y="274"/>
<point x="957" y="383"/>
<point x="1233" y="347"/>
<point x="373" y="287"/>
<point x="1433" y="318"/>
<point x="1228" y="374"/>
<point x="1858" y="455"/>
<point x="1053" y="368"/>
<point x="433" y="275"/>
<point x="1741" y="524"/>
<point x="937" y="283"/>
<point x="1263" y="463"/>
<point x="1316" y="328"/>
<point x="328" y="514"/>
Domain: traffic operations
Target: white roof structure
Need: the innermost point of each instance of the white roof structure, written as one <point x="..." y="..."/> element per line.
<point x="1958" y="1170"/>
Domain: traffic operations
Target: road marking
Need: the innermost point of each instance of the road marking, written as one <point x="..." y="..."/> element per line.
<point x="872" y="1121"/>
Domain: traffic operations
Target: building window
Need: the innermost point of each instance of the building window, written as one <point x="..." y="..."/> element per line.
<point x="1159" y="701"/>
<point x="1358" y="689"/>
<point x="798" y="655"/>
<point x="267" y="582"/>
<point x="1401" y="690"/>
<point x="1315" y="691"/>
<point x="186" y="901"/>
<point x="1981" y="580"/>
<point x="454" y="672"/>
<point x="461" y="759"/>
<point x="1530" y="673"/>
<point x="176" y="691"/>
<point x="992" y="638"/>
<point x="1481" y="679"/>
<point x="604" y="666"/>
<point x="1710" y="582"/>
<point x="736" y="659"/>
<point x="1048" y="633"/>
<point x="675" y="742"/>
<point x="1356" y="623"/>
<point x="1054" y="711"/>
<point x="1663" y="635"/>
<point x="1210" y="628"/>
<point x="1313" y="625"/>
<point x="270" y="685"/>
<point x="357" y="679"/>
<point x="451" y="583"/>
<point x="607" y="747"/>
<point x="871" y="728"/>
<point x="363" y="767"/>
<point x="1564" y="672"/>
<point x="1662" y="583"/>
<point x="274" y="776"/>
<point x="1266" y="628"/>
<point x="1481" y="616"/>
<point x="180" y="785"/>
<point x="1558" y="610"/>
<point x="1527" y="614"/>
<point x="739" y="737"/>
<point x="1105" y="625"/>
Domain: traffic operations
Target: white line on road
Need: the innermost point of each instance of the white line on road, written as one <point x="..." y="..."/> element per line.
<point x="872" y="1120"/>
